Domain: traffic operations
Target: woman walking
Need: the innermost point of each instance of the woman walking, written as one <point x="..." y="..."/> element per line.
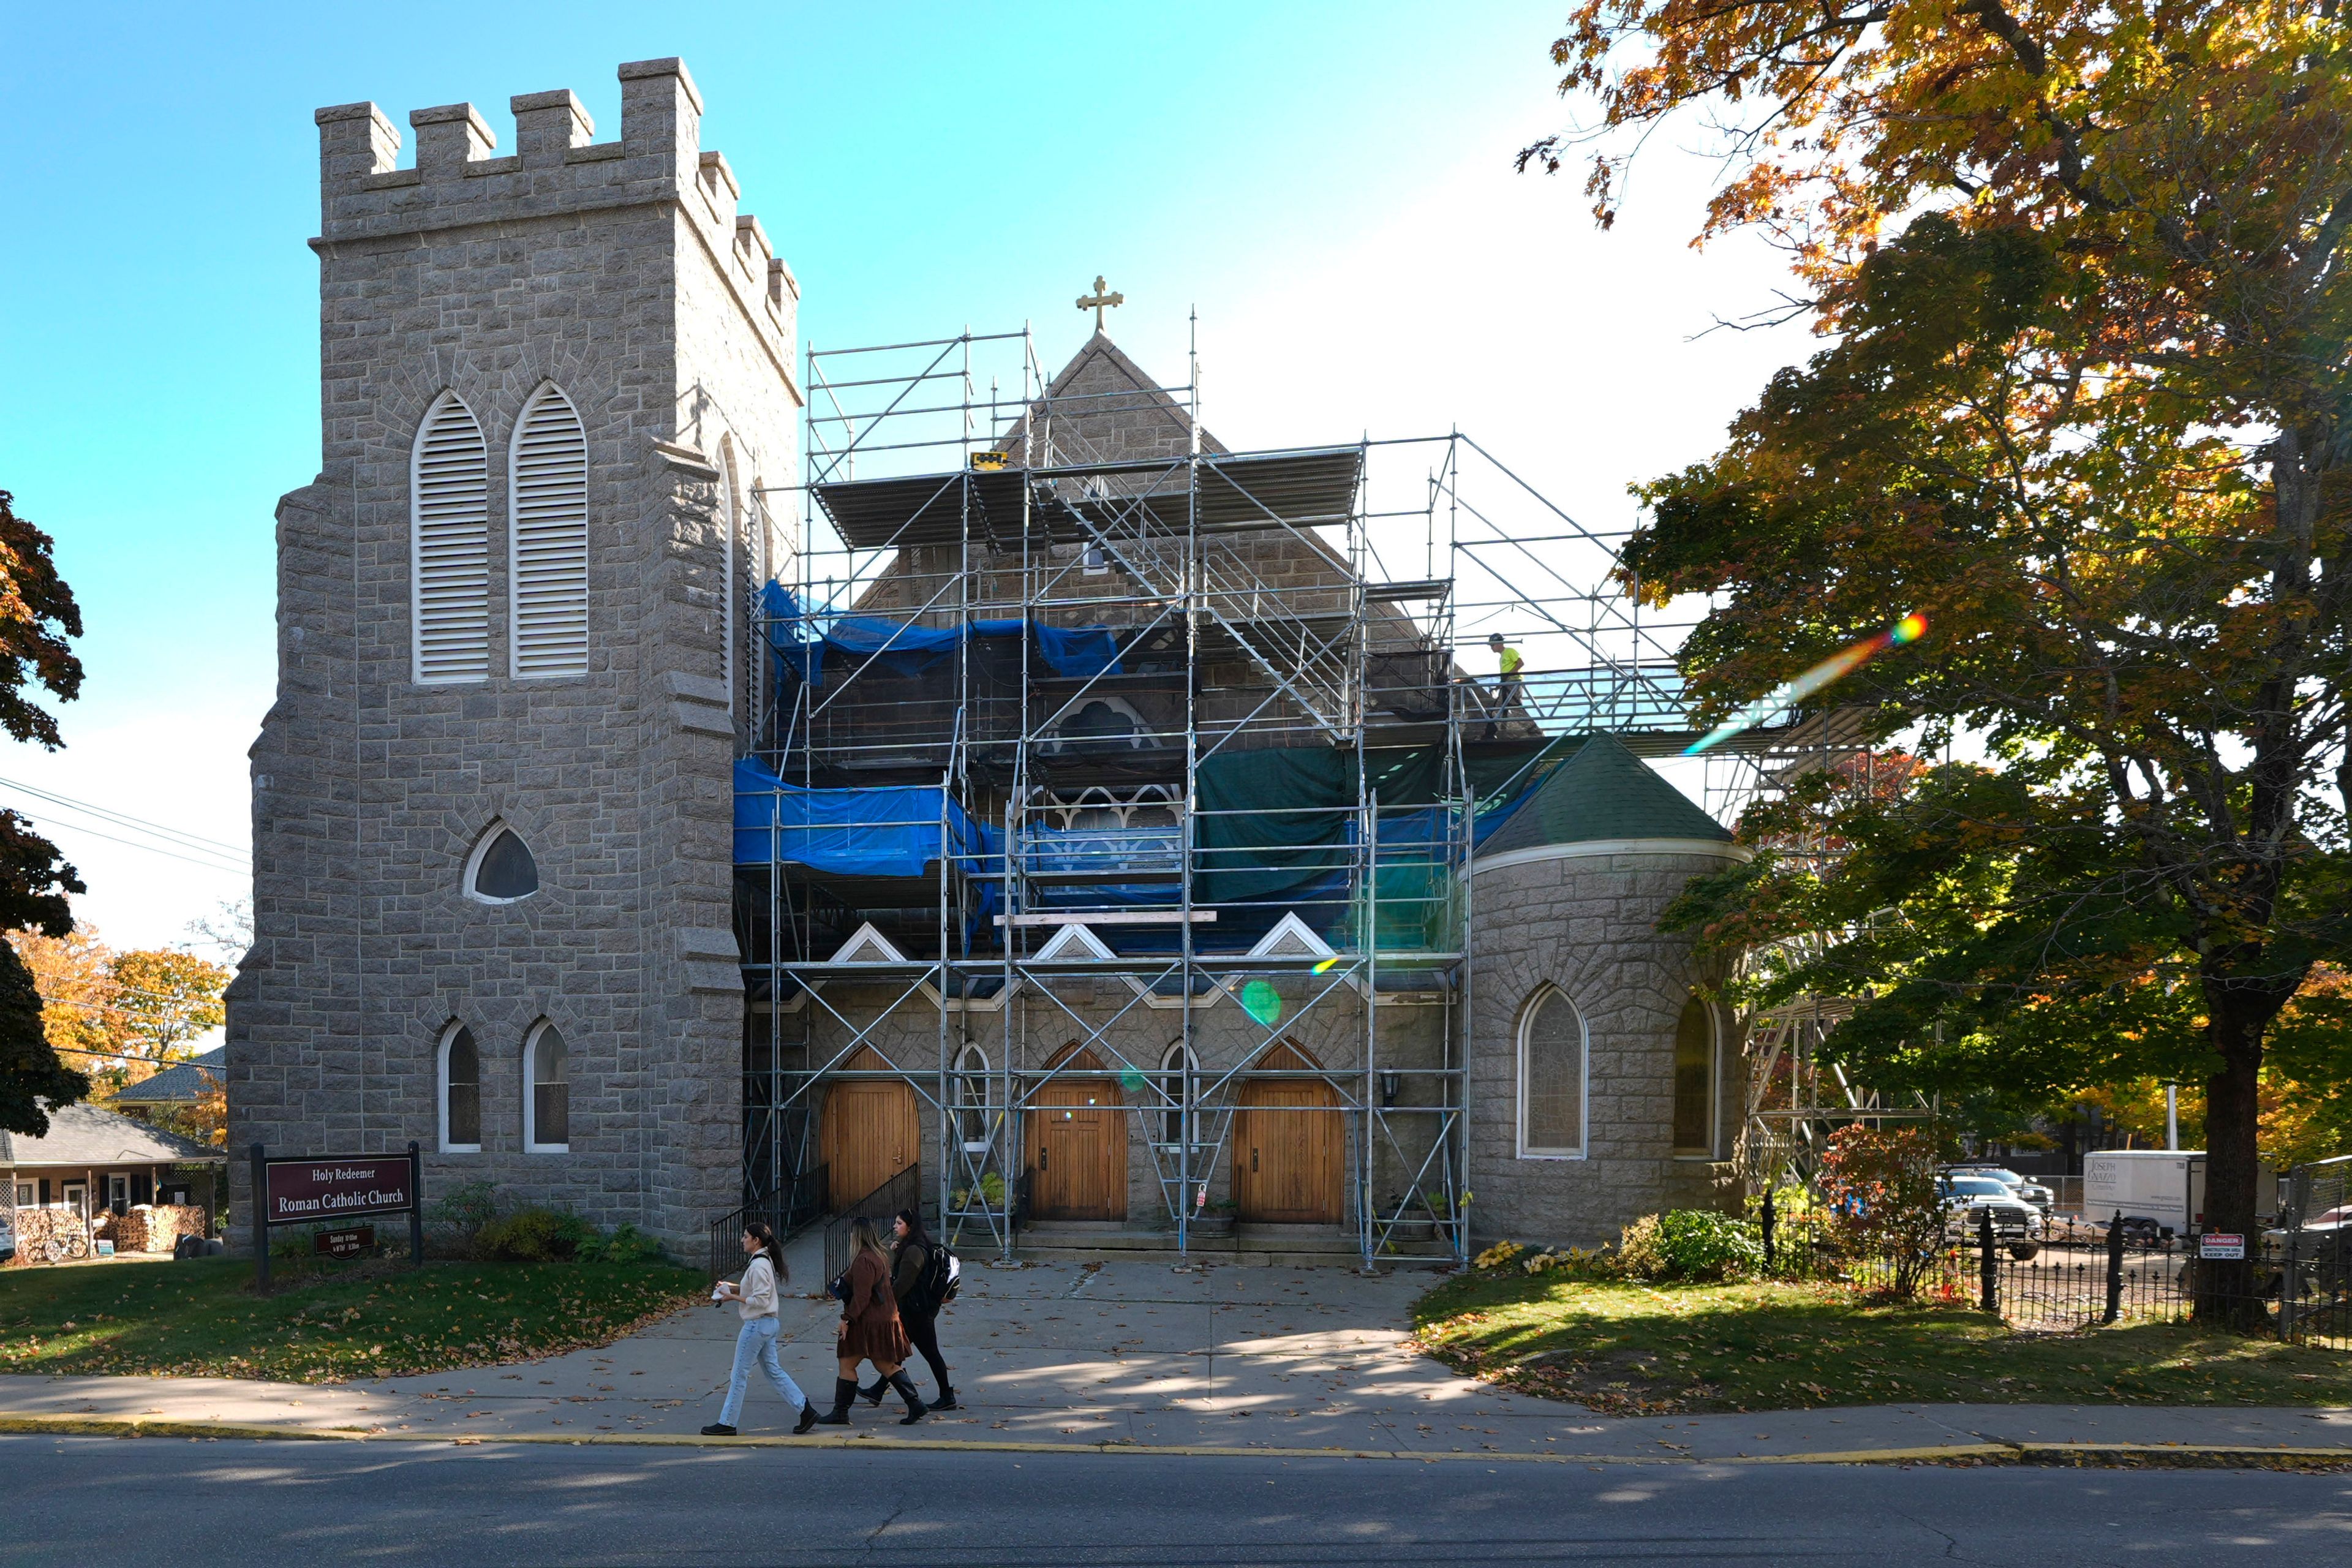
<point x="755" y="1299"/>
<point x="870" y="1329"/>
<point x="911" y="1259"/>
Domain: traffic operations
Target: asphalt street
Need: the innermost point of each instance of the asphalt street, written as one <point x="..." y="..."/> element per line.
<point x="92" y="1501"/>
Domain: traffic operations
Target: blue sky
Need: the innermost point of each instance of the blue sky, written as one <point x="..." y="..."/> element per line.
<point x="1328" y="184"/>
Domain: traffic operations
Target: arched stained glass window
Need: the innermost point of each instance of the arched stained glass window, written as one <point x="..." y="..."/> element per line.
<point x="1695" y="1076"/>
<point x="461" y="1091"/>
<point x="547" y="1092"/>
<point x="1551" y="1077"/>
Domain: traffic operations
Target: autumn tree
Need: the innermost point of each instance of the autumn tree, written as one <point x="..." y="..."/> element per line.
<point x="37" y="614"/>
<point x="118" y="1017"/>
<point x="2081" y="267"/>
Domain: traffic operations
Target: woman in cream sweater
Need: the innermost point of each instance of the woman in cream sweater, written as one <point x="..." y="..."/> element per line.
<point x="755" y="1299"/>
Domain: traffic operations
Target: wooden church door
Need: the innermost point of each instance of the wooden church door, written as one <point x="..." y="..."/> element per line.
<point x="1077" y="1147"/>
<point x="871" y="1132"/>
<point x="1287" y="1143"/>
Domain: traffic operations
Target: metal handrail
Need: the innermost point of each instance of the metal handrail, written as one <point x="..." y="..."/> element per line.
<point x="788" y="1210"/>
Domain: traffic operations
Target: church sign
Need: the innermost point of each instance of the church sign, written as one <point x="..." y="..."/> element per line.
<point x="334" y="1187"/>
<point x="316" y="1187"/>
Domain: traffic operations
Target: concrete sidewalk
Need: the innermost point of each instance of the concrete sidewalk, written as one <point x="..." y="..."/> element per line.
<point x="1125" y="1355"/>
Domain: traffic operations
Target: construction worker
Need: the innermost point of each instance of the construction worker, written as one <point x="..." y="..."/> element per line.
<point x="1509" y="690"/>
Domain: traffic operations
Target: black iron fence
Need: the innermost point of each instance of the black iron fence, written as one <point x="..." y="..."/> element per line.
<point x="788" y="1208"/>
<point x="903" y="1191"/>
<point x="2061" y="1272"/>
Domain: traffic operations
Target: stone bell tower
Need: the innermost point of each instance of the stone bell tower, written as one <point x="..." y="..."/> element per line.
<point x="491" y="804"/>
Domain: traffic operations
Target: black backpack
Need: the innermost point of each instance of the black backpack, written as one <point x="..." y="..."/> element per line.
<point x="942" y="1277"/>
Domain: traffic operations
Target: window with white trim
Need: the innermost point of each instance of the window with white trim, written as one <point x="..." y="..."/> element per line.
<point x="449" y="545"/>
<point x="546" y="1092"/>
<point x="461" y="1091"/>
<point x="972" y="1100"/>
<point x="1180" y="1069"/>
<point x="547" y="506"/>
<point x="502" y="869"/>
<point x="1553" y="1051"/>
<point x="1694" y="1082"/>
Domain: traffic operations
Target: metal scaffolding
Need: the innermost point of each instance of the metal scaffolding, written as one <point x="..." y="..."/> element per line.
<point x="1024" y="620"/>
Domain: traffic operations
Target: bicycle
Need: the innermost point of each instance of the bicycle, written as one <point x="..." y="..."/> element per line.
<point x="57" y="1248"/>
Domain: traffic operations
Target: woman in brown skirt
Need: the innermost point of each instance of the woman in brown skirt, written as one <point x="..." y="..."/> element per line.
<point x="870" y="1329"/>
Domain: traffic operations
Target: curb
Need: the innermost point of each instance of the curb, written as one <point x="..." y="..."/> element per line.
<point x="1947" y="1453"/>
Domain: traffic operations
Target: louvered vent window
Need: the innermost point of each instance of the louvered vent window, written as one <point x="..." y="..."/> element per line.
<point x="549" y="529"/>
<point x="448" y="489"/>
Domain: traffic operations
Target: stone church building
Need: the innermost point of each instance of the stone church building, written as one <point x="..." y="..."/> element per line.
<point x="596" y="855"/>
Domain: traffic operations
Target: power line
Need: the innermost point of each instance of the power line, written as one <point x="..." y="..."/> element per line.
<point x="118" y="1056"/>
<point x="123" y="819"/>
<point x="150" y="848"/>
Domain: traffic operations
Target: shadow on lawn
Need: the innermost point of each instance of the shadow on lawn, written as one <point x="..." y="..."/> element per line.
<point x="1627" y="1347"/>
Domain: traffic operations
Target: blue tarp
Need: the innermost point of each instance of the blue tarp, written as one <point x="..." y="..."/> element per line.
<point x="1077" y="652"/>
<point x="855" y="832"/>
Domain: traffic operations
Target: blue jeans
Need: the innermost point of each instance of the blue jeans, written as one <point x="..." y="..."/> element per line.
<point x="757" y="1342"/>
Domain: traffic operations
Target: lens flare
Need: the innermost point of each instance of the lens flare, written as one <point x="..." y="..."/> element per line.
<point x="1835" y="668"/>
<point x="1261" y="1001"/>
<point x="1328" y="965"/>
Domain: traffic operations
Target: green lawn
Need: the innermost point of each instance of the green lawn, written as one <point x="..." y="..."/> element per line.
<point x="201" y="1319"/>
<point x="1634" y="1349"/>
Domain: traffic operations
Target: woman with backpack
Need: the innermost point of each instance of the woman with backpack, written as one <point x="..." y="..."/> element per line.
<point x="755" y="1299"/>
<point x="870" y="1329"/>
<point x="919" y="1277"/>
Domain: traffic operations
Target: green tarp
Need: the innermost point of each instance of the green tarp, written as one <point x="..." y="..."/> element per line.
<point x="1275" y="818"/>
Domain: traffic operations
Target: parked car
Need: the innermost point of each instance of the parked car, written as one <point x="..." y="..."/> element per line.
<point x="1967" y="1199"/>
<point x="7" y="1231"/>
<point x="2322" y="1252"/>
<point x="2032" y="1192"/>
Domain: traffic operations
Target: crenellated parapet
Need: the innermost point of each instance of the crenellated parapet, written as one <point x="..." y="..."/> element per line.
<point x="557" y="169"/>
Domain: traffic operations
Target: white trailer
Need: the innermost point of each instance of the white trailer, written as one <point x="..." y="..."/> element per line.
<point x="2166" y="1185"/>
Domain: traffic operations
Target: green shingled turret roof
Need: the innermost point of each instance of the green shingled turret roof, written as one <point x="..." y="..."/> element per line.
<point x="1603" y="791"/>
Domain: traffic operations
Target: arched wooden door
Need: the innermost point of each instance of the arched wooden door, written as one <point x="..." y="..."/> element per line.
<point x="871" y="1130"/>
<point x="1287" y="1143"/>
<point x="1078" y="1145"/>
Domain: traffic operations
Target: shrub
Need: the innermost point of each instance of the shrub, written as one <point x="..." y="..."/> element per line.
<point x="460" y="1214"/>
<point x="625" y="1245"/>
<point x="534" y="1236"/>
<point x="1572" y="1262"/>
<point x="1691" y="1244"/>
<point x="1497" y="1256"/>
<point x="1880" y="1189"/>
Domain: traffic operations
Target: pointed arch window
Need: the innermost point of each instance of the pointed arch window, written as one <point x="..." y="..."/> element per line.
<point x="547" y="488"/>
<point x="1695" y="1072"/>
<point x="546" y="1092"/>
<point x="461" y="1091"/>
<point x="1180" y="1076"/>
<point x="502" y="869"/>
<point x="972" y="1100"/>
<point x="1552" y="1052"/>
<point x="449" y="545"/>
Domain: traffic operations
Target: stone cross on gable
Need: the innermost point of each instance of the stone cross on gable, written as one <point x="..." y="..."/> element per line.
<point x="1097" y="301"/>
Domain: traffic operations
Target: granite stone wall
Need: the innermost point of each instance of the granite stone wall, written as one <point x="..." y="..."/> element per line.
<point x="621" y="272"/>
<point x="1586" y="923"/>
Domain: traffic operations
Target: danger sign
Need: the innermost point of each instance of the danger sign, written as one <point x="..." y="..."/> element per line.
<point x="2221" y="1244"/>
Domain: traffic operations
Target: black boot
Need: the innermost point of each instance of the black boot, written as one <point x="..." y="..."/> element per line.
<point x="844" y="1389"/>
<point x="809" y="1418"/>
<point x="916" y="1408"/>
<point x="947" y="1399"/>
<point x="874" y="1391"/>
